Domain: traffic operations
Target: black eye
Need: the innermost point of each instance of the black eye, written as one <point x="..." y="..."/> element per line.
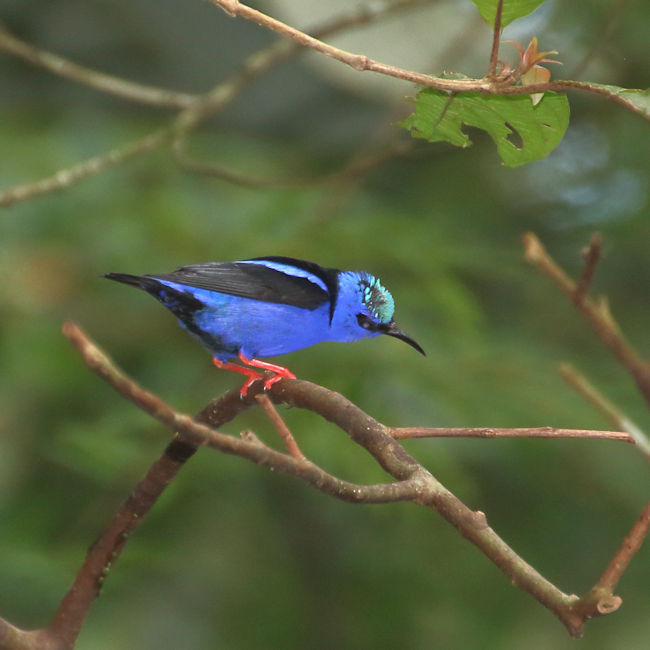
<point x="366" y="322"/>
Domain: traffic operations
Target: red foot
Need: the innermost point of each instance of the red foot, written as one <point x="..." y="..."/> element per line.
<point x="253" y="375"/>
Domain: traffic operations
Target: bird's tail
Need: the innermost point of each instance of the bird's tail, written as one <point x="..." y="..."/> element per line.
<point x="153" y="286"/>
<point x="140" y="281"/>
<point x="181" y="303"/>
<point x="169" y="297"/>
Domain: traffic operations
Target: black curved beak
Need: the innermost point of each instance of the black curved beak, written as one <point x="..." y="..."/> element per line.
<point x="392" y="330"/>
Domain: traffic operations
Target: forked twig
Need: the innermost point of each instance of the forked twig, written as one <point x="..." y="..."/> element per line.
<point x="580" y="383"/>
<point x="631" y="544"/>
<point x="600" y="599"/>
<point x="592" y="256"/>
<point x="596" y="312"/>
<point x="280" y="426"/>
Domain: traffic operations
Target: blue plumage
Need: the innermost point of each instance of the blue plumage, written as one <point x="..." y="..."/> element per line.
<point x="270" y="306"/>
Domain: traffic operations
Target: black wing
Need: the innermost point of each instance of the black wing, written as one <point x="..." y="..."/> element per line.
<point x="258" y="281"/>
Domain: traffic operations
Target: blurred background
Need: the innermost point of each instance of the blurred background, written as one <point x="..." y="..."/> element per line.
<point x="234" y="556"/>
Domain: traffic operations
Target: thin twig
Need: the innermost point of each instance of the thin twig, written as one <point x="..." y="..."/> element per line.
<point x="199" y="109"/>
<point x="597" y="314"/>
<point x="364" y="14"/>
<point x="592" y="255"/>
<point x="496" y="40"/>
<point x="190" y="117"/>
<point x="350" y="171"/>
<point x="631" y="544"/>
<point x="90" y="167"/>
<point x="600" y="599"/>
<point x="280" y="426"/>
<point x="358" y="62"/>
<point x="405" y="433"/>
<point x="363" y="63"/>
<point x="135" y="92"/>
<point x="208" y="104"/>
<point x="583" y="386"/>
<point x="615" y="415"/>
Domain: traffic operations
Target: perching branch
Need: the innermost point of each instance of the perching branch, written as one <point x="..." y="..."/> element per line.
<point x="412" y="483"/>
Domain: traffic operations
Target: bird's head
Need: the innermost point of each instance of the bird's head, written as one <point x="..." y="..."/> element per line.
<point x="377" y="308"/>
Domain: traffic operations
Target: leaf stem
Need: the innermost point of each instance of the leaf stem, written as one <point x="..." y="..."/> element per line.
<point x="496" y="40"/>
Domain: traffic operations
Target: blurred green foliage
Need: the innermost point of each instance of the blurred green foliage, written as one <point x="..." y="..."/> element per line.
<point x="234" y="556"/>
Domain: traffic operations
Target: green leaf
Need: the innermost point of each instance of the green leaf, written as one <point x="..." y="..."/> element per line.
<point x="511" y="9"/>
<point x="636" y="100"/>
<point x="521" y="131"/>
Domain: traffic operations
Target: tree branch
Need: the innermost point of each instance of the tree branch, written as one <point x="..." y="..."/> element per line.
<point x="596" y="312"/>
<point x="363" y="63"/>
<point x="63" y="178"/>
<point x="413" y="482"/>
<point x="135" y="92"/>
<point x="197" y="108"/>
<point x="631" y="544"/>
<point x="280" y="426"/>
<point x="600" y="599"/>
<point x="358" y="62"/>
<point x="592" y="256"/>
<point x="350" y="171"/>
<point x="406" y="433"/>
<point x="580" y="383"/>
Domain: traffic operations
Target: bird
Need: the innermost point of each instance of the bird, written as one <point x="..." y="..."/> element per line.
<point x="267" y="306"/>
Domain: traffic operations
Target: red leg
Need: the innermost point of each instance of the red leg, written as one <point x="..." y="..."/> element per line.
<point x="252" y="375"/>
<point x="280" y="371"/>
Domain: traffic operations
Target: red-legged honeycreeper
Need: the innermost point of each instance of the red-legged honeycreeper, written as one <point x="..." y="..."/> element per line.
<point x="267" y="306"/>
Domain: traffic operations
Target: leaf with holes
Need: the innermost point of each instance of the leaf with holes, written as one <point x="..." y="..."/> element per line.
<point x="521" y="131"/>
<point x="511" y="9"/>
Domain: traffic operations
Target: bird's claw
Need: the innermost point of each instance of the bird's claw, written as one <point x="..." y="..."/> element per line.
<point x="243" y="391"/>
